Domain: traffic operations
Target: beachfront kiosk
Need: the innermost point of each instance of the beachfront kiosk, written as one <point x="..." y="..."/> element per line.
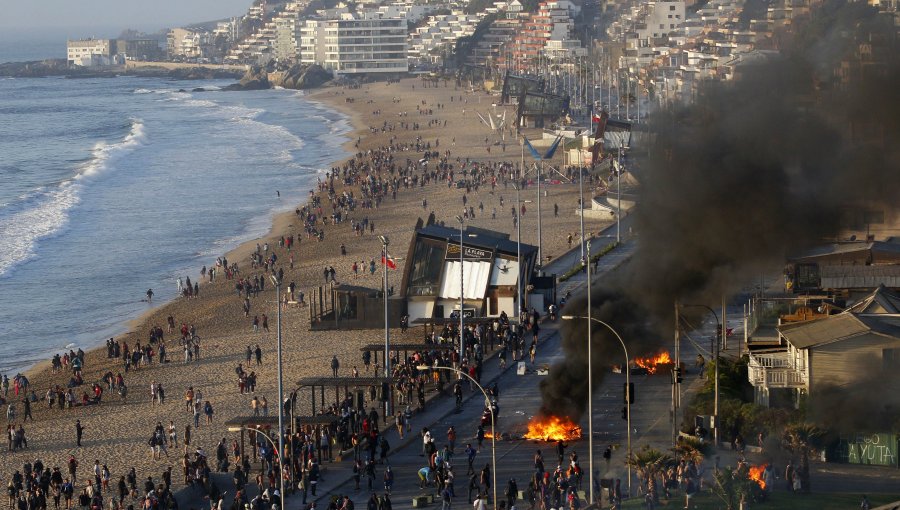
<point x="490" y="274"/>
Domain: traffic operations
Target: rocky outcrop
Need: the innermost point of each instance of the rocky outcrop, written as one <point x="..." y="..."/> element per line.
<point x="297" y="77"/>
<point x="38" y="69"/>
<point x="256" y="78"/>
<point x="303" y="77"/>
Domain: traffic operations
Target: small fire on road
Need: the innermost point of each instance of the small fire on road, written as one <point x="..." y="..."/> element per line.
<point x="651" y="364"/>
<point x="553" y="428"/>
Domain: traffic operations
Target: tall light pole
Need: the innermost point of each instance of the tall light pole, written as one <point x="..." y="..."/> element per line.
<point x="387" y="329"/>
<point x="516" y="186"/>
<point x="280" y="458"/>
<point x="627" y="380"/>
<point x="619" y="197"/>
<point x="540" y="237"/>
<point x="277" y="282"/>
<point x="715" y="352"/>
<point x="462" y="332"/>
<point x="490" y="407"/>
<point x="581" y="211"/>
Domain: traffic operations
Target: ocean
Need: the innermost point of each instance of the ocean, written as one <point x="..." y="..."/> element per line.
<point x="111" y="186"/>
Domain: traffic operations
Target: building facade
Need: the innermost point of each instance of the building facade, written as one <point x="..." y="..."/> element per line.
<point x="359" y="45"/>
<point x="91" y="52"/>
<point x="487" y="278"/>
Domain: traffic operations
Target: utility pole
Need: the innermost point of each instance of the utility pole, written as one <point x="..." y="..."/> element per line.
<point x="387" y="329"/>
<point x="675" y="370"/>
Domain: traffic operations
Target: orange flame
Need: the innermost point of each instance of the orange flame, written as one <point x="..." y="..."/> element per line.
<point x="553" y="428"/>
<point x="756" y="474"/>
<point x="651" y="364"/>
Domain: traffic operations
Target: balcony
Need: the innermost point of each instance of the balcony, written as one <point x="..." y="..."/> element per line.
<point x="776" y="370"/>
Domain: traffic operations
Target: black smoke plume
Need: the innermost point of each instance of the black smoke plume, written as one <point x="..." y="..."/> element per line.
<point x="756" y="168"/>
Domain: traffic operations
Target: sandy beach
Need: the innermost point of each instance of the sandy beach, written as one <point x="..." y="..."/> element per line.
<point x="116" y="433"/>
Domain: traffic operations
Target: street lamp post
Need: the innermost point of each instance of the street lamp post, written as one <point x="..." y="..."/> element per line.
<point x="581" y="212"/>
<point x="490" y="407"/>
<point x="715" y="352"/>
<point x="462" y="333"/>
<point x="619" y="197"/>
<point x="519" y="203"/>
<point x="387" y="330"/>
<point x="280" y="458"/>
<point x="277" y="282"/>
<point x="627" y="380"/>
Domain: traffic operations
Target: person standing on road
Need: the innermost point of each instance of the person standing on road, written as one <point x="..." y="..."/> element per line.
<point x="470" y="458"/>
<point x="512" y="492"/>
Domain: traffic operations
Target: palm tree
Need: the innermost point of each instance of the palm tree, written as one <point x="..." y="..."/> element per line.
<point x="690" y="449"/>
<point x="650" y="464"/>
<point x="803" y="439"/>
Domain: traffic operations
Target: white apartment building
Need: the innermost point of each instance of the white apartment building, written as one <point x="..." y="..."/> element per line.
<point x="429" y="44"/>
<point x="664" y="18"/>
<point x="189" y="44"/>
<point x="287" y="37"/>
<point x="90" y="52"/>
<point x="358" y="44"/>
<point x="312" y="42"/>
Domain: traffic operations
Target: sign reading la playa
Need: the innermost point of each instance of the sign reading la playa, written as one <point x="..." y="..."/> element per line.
<point x="469" y="253"/>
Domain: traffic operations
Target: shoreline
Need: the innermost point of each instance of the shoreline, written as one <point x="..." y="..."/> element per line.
<point x="118" y="427"/>
<point x="278" y="222"/>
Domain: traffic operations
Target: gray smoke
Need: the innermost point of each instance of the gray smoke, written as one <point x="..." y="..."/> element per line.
<point x="755" y="169"/>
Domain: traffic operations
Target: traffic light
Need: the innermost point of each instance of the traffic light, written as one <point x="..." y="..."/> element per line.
<point x="625" y="412"/>
<point x="678" y="376"/>
<point x="629" y="393"/>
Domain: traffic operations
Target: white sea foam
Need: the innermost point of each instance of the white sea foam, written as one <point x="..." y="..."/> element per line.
<point x="45" y="212"/>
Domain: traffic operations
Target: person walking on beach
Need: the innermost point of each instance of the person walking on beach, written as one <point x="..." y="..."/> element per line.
<point x="79" y="433"/>
<point x="258" y="353"/>
<point x="149" y="295"/>
<point x="334" y="366"/>
<point x="26" y="405"/>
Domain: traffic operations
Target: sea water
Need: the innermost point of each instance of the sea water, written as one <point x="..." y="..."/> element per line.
<point x="112" y="186"/>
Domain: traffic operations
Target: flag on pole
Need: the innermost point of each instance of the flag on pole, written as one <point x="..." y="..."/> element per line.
<point x="391" y="263"/>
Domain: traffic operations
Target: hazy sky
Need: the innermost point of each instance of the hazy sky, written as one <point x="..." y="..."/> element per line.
<point x="114" y="14"/>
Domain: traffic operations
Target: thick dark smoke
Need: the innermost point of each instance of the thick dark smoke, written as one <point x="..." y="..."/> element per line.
<point x="757" y="168"/>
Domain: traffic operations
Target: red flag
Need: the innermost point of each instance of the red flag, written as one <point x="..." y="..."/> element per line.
<point x="391" y="263"/>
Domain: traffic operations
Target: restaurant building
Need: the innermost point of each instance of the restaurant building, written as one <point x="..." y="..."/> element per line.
<point x="488" y="277"/>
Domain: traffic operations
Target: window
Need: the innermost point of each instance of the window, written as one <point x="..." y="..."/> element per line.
<point x="662" y="25"/>
<point x="671" y="7"/>
<point x="425" y="269"/>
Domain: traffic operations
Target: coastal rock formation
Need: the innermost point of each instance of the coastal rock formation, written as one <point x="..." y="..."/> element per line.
<point x="36" y="69"/>
<point x="297" y="77"/>
<point x="256" y="78"/>
<point x="59" y="67"/>
<point x="303" y="77"/>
